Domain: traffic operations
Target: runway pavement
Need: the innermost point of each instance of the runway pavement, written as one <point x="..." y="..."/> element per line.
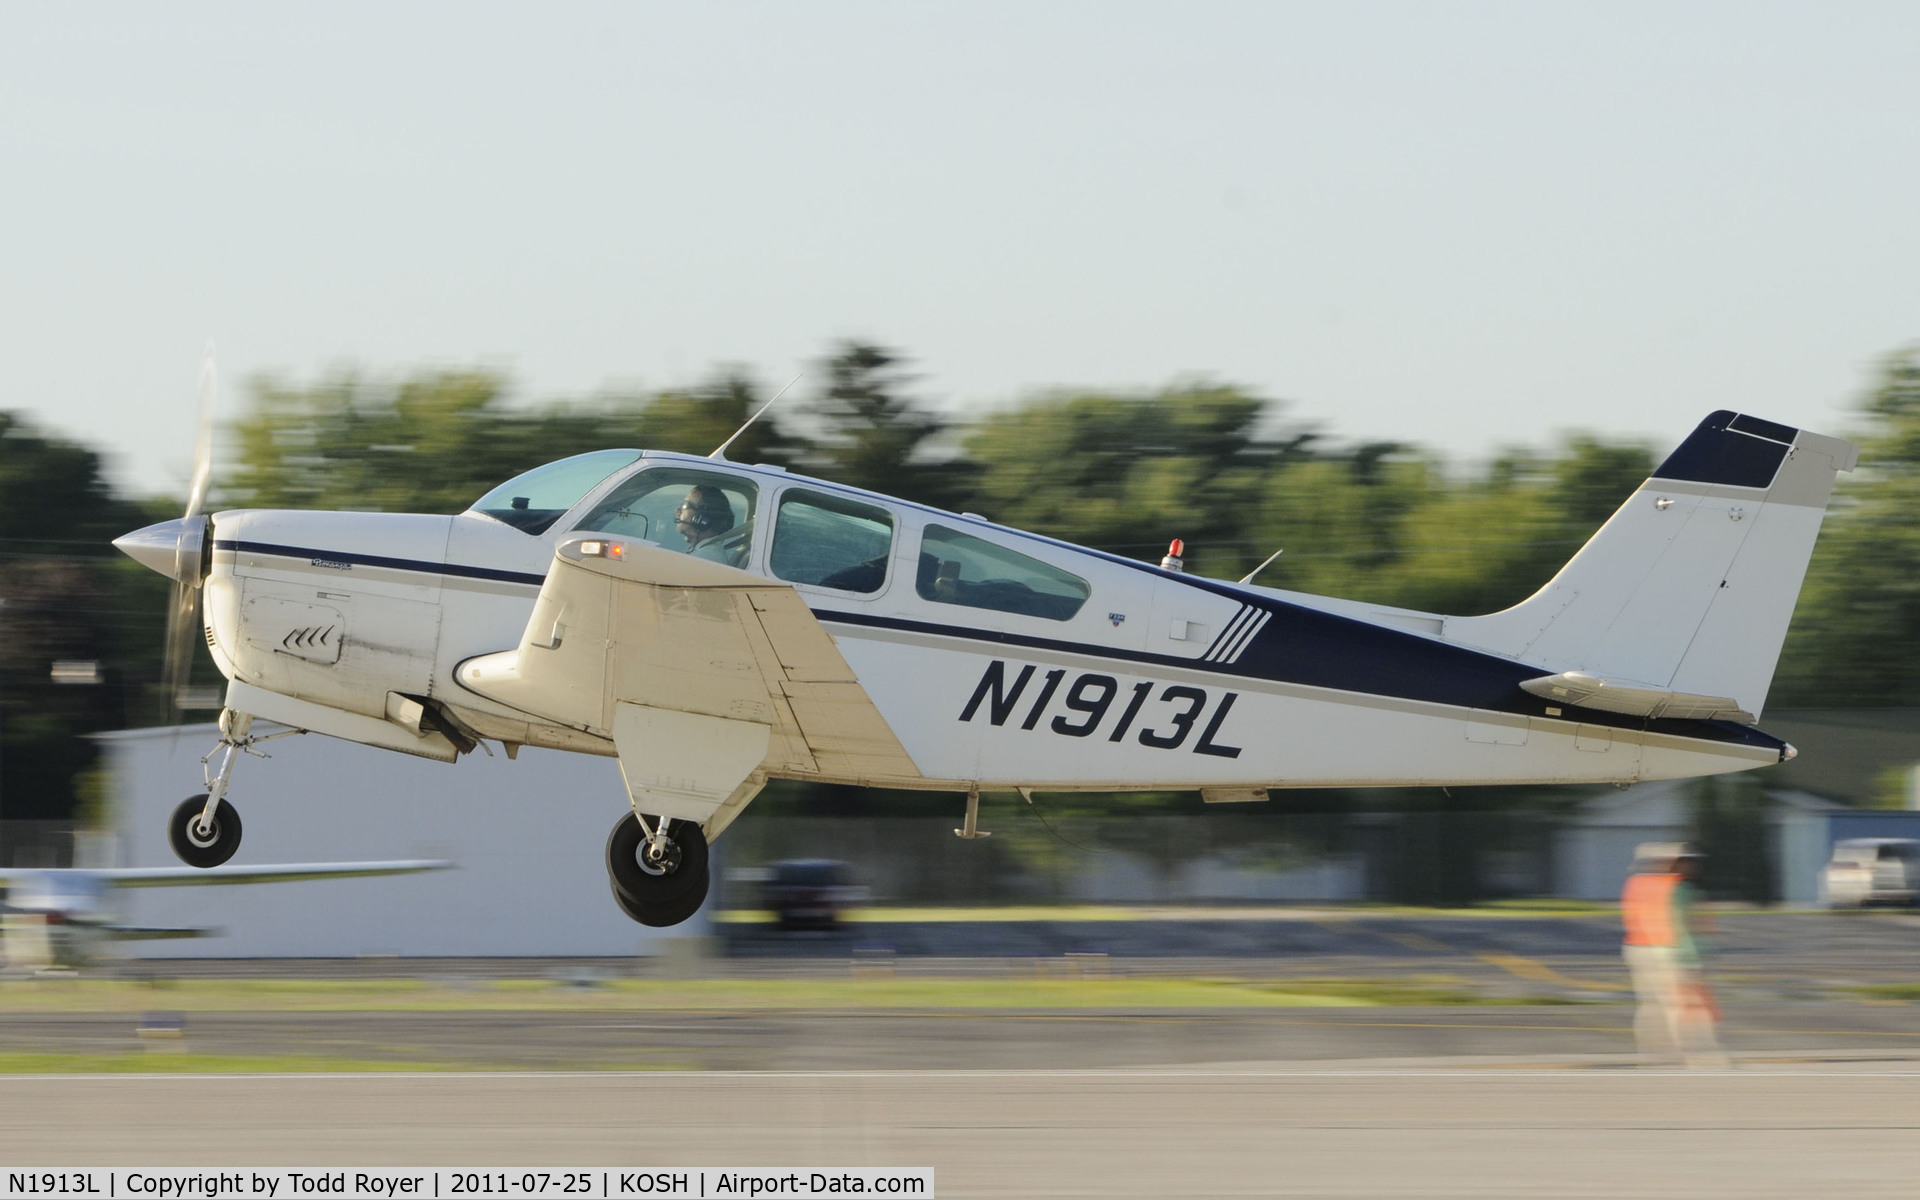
<point x="1487" y="1099"/>
<point x="958" y="1039"/>
<point x="1353" y="1129"/>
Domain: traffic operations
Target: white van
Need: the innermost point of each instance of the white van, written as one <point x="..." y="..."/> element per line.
<point x="1866" y="871"/>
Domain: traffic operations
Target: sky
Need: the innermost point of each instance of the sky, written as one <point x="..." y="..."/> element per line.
<point x="1466" y="225"/>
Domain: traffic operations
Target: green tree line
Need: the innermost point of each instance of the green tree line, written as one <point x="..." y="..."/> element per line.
<point x="1234" y="474"/>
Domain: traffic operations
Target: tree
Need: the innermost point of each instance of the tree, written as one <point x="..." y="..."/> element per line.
<point x="426" y="444"/>
<point x="1483" y="544"/>
<point x="64" y="594"/>
<point x="1127" y="473"/>
<point x="699" y="420"/>
<point x="435" y="441"/>
<point x="874" y="436"/>
<point x="1856" y="633"/>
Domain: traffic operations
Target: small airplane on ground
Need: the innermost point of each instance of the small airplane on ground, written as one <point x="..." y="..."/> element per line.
<point x="714" y="625"/>
<point x="62" y="917"/>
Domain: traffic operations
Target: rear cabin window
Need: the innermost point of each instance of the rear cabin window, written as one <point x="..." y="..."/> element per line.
<point x="830" y="541"/>
<point x="703" y="513"/>
<point x="958" y="568"/>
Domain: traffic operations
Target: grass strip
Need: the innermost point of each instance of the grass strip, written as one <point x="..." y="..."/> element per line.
<point x="1896" y="993"/>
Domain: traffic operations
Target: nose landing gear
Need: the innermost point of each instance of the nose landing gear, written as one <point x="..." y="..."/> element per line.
<point x="658" y="873"/>
<point x="205" y="830"/>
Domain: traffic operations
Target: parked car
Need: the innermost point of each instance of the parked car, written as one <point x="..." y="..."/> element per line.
<point x="810" y="893"/>
<point x="1866" y="871"/>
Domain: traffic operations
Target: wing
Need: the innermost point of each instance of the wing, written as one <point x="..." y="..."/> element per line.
<point x="706" y="678"/>
<point x="1582" y="690"/>
<point x="143" y="877"/>
<point x="154" y="933"/>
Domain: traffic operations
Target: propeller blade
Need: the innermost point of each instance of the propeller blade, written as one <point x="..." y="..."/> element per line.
<point x="203" y="441"/>
<point x="183" y="627"/>
<point x="183" y="617"/>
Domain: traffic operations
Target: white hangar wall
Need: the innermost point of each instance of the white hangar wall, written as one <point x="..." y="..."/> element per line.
<point x="528" y="839"/>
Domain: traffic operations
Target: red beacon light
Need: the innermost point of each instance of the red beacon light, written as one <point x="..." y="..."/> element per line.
<point x="1173" y="561"/>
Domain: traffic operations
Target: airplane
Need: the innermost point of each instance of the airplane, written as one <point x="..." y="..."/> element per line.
<point x="713" y="625"/>
<point x="59" y="918"/>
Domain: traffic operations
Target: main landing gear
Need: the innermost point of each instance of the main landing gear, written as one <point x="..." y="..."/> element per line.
<point x="205" y="829"/>
<point x="658" y="872"/>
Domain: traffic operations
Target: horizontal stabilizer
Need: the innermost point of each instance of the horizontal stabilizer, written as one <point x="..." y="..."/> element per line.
<point x="1582" y="690"/>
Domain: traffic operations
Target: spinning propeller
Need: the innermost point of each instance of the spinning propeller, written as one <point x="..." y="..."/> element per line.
<point x="179" y="549"/>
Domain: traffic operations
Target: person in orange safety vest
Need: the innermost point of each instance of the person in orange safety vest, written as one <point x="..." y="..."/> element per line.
<point x="1676" y="1014"/>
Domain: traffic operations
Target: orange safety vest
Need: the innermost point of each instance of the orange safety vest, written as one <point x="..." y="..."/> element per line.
<point x="1646" y="908"/>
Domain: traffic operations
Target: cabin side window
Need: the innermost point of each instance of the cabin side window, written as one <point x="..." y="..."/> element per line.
<point x="830" y="541"/>
<point x="707" y="514"/>
<point x="958" y="568"/>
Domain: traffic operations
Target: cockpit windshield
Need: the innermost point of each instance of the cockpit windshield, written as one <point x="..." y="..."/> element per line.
<point x="534" y="501"/>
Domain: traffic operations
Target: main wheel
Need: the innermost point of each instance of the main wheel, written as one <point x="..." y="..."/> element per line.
<point x="646" y="882"/>
<point x="660" y="916"/>
<point x="211" y="847"/>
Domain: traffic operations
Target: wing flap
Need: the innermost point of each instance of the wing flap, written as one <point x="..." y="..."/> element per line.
<point x="806" y="651"/>
<point x="1582" y="690"/>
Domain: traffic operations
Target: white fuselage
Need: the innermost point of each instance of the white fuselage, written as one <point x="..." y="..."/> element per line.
<point x="1158" y="680"/>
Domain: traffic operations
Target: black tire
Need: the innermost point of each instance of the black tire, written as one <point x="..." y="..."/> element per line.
<point x="194" y="849"/>
<point x="660" y="916"/>
<point x="649" y="887"/>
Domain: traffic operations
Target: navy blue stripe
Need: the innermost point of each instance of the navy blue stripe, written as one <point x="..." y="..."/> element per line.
<point x="374" y="560"/>
<point x="1317" y="649"/>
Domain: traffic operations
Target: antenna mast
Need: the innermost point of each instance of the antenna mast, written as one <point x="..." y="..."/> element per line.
<point x="1248" y="577"/>
<point x="720" y="451"/>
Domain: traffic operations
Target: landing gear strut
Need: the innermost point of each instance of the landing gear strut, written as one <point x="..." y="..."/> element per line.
<point x="205" y="829"/>
<point x="658" y="871"/>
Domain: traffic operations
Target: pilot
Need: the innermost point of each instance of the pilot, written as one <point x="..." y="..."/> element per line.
<point x="701" y="518"/>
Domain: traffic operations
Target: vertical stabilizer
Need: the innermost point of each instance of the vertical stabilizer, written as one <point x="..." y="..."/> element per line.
<point x="1690" y="585"/>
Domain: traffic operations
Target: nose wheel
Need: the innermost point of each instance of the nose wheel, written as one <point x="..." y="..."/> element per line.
<point x="659" y="875"/>
<point x="200" y="842"/>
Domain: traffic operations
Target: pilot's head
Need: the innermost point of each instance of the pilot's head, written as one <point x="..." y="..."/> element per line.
<point x="704" y="513"/>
